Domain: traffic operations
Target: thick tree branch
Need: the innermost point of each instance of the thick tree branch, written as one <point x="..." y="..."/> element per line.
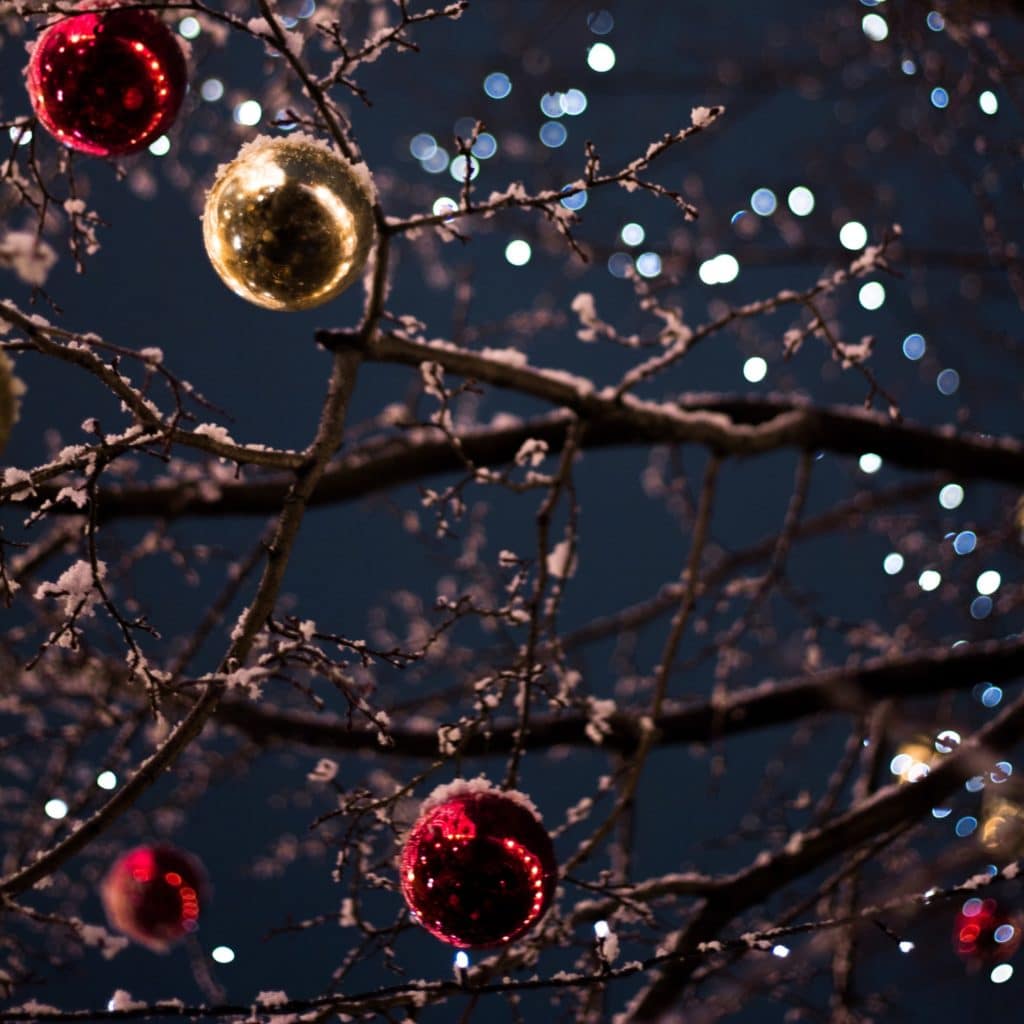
<point x="846" y="690"/>
<point x="731" y="424"/>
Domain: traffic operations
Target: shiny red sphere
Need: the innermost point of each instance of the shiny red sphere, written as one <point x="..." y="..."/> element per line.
<point x="107" y="82"/>
<point x="984" y="932"/>
<point x="153" y="895"/>
<point x="478" y="869"/>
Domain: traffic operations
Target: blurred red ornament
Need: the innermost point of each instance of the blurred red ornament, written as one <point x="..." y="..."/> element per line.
<point x="478" y="868"/>
<point x="107" y="82"/>
<point x="984" y="932"/>
<point x="153" y="895"/>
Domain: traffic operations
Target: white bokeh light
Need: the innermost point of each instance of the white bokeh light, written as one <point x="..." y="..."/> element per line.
<point x="106" y="780"/>
<point x="648" y="264"/>
<point x="633" y="234"/>
<point x="755" y="369"/>
<point x="853" y="235"/>
<point x="211" y="90"/>
<point x="801" y="201"/>
<point x="458" y="166"/>
<point x="720" y="269"/>
<point x="871" y="295"/>
<point x="951" y="496"/>
<point x="55" y="809"/>
<point x="989" y="582"/>
<point x="223" y="954"/>
<point x="248" y="113"/>
<point x="893" y="563"/>
<point x="875" y="27"/>
<point x="929" y="579"/>
<point x="988" y="102"/>
<point x="518" y="252"/>
<point x="763" y="202"/>
<point x="870" y="462"/>
<point x="601" y="57"/>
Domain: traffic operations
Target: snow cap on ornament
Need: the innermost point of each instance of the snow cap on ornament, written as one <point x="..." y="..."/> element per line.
<point x="11" y="390"/>
<point x="288" y="224"/>
<point x="478" y="868"/>
<point x="108" y="80"/>
<point x="153" y="894"/>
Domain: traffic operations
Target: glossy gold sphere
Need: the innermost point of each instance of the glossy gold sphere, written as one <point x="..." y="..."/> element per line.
<point x="288" y="224"/>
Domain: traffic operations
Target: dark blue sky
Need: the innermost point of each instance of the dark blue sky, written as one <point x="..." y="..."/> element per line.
<point x="811" y="101"/>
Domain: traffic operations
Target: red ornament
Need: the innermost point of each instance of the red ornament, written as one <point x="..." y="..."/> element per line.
<point x="107" y="82"/>
<point x="153" y="895"/>
<point x="478" y="868"/>
<point x="984" y="932"/>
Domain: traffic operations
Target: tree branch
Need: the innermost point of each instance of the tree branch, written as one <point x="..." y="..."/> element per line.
<point x="731" y="424"/>
<point x="769" y="703"/>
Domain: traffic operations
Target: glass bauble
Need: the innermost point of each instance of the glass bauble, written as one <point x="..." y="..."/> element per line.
<point x="478" y="868"/>
<point x="107" y="81"/>
<point x="288" y="224"/>
<point x="153" y="894"/>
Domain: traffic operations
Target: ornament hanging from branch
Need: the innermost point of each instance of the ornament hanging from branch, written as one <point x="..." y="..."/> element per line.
<point x="478" y="868"/>
<point x="288" y="224"/>
<point x="153" y="895"/>
<point x="107" y="81"/>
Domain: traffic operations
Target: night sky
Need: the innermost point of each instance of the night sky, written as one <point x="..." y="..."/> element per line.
<point x="827" y="125"/>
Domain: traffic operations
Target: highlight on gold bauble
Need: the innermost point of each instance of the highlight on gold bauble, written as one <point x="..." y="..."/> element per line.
<point x="107" y="80"/>
<point x="478" y="868"/>
<point x="153" y="894"/>
<point x="10" y="391"/>
<point x="288" y="224"/>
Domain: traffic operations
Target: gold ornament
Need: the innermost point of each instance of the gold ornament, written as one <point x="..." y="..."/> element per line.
<point x="10" y="389"/>
<point x="288" y="224"/>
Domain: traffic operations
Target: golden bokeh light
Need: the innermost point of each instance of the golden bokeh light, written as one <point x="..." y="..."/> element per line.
<point x="1002" y="825"/>
<point x="10" y="389"/>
